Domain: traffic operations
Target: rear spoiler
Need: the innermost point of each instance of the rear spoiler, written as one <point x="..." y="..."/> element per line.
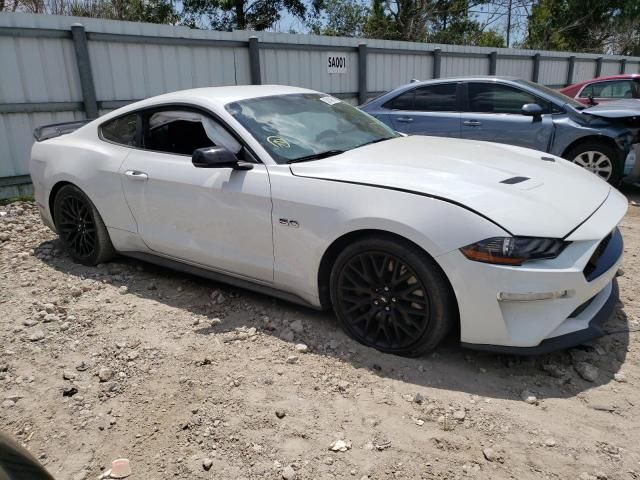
<point x="53" y="130"/>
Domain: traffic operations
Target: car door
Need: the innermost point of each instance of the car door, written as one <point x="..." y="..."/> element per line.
<point x="427" y="110"/>
<point x="216" y="217"/>
<point x="494" y="114"/>
<point x="609" y="90"/>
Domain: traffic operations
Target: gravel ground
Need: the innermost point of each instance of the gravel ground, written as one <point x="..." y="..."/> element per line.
<point x="196" y="380"/>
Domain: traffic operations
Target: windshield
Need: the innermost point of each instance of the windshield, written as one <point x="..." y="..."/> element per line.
<point x="554" y="94"/>
<point x="307" y="126"/>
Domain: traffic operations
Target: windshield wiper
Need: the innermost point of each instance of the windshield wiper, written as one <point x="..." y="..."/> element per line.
<point x="375" y="141"/>
<point x="317" y="156"/>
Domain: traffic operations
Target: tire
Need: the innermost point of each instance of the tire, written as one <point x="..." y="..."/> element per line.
<point x="80" y="227"/>
<point x="375" y="288"/>
<point x="599" y="158"/>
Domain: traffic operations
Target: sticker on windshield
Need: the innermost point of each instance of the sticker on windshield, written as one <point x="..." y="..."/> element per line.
<point x="330" y="100"/>
<point x="278" y="142"/>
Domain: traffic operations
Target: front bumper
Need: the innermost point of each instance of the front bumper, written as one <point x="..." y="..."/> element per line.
<point x="581" y="280"/>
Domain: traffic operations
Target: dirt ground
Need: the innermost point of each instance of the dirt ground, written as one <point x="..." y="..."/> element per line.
<point x="177" y="373"/>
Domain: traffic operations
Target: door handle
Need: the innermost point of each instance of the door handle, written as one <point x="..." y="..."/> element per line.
<point x="405" y="119"/>
<point x="136" y="175"/>
<point x="472" y="123"/>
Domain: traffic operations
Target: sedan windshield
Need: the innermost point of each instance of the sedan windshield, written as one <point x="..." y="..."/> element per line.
<point x="308" y="126"/>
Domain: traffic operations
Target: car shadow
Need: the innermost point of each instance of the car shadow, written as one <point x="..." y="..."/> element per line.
<point x="227" y="310"/>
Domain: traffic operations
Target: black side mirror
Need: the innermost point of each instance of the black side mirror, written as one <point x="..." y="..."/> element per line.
<point x="531" y="110"/>
<point x="217" y="157"/>
<point x="592" y="102"/>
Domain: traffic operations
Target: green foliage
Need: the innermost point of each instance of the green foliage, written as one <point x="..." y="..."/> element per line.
<point x="343" y="18"/>
<point x="152" y="11"/>
<point x="240" y="14"/>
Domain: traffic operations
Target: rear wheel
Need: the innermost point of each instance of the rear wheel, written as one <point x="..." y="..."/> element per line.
<point x="80" y="227"/>
<point x="598" y="158"/>
<point x="391" y="296"/>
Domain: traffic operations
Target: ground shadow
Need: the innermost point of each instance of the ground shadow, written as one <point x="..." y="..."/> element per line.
<point x="450" y="367"/>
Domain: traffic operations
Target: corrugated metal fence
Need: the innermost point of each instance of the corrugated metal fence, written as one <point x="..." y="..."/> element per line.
<point x="56" y="69"/>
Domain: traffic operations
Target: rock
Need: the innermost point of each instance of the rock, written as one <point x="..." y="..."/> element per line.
<point x="105" y="374"/>
<point x="50" y="317"/>
<point x="343" y="385"/>
<point x="340" y="446"/>
<point x="553" y="370"/>
<point x="49" y="307"/>
<point x="120" y="468"/>
<point x="528" y="397"/>
<point x="288" y="473"/>
<point x="459" y="415"/>
<point x="550" y="442"/>
<point x="302" y="348"/>
<point x="490" y="454"/>
<point x="280" y="413"/>
<point x="69" y="391"/>
<point x="292" y="359"/>
<point x="76" y="292"/>
<point x="29" y="322"/>
<point x="8" y="403"/>
<point x="36" y="336"/>
<point x="207" y="463"/>
<point x="287" y="335"/>
<point x="586" y="371"/>
<point x="123" y="290"/>
<point x="297" y="326"/>
<point x="418" y="398"/>
<point x="68" y="375"/>
<point x="82" y="366"/>
<point x="619" y="377"/>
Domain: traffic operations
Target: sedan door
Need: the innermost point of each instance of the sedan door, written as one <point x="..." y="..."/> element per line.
<point x="494" y="114"/>
<point x="427" y="110"/>
<point x="216" y="217"/>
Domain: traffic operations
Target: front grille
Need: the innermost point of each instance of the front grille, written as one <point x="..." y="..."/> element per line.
<point x="605" y="256"/>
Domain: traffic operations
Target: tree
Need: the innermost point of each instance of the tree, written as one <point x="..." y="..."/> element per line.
<point x="379" y="23"/>
<point x="344" y="18"/>
<point x="583" y="25"/>
<point x="240" y="14"/>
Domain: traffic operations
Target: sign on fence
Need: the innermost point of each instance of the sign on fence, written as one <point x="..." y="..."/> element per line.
<point x="336" y="63"/>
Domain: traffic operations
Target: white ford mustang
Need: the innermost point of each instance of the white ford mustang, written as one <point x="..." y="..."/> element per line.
<point x="298" y="194"/>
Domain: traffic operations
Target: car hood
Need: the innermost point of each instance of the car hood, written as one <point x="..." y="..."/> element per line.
<point x="514" y="187"/>
<point x="616" y="109"/>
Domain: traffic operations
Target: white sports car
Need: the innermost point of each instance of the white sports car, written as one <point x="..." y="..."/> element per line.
<point x="297" y="194"/>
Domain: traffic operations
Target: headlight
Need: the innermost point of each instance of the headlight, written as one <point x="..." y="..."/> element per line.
<point x="513" y="250"/>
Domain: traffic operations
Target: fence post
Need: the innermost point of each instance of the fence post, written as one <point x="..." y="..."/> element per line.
<point x="437" y="62"/>
<point x="598" y="66"/>
<point x="83" y="63"/>
<point x="572" y="66"/>
<point x="536" y="68"/>
<point x="493" y="63"/>
<point x="254" y="61"/>
<point x="362" y="73"/>
<point x="623" y="65"/>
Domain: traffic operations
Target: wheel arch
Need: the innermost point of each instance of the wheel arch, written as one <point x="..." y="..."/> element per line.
<point x="610" y="142"/>
<point x="52" y="196"/>
<point x="333" y="250"/>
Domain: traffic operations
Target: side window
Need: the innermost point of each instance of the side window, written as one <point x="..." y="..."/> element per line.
<point x="121" y="130"/>
<point x="613" y="89"/>
<point x="437" y="98"/>
<point x="404" y="101"/>
<point x="496" y="98"/>
<point x="183" y="131"/>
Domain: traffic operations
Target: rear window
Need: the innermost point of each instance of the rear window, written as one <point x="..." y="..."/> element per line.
<point x="122" y="130"/>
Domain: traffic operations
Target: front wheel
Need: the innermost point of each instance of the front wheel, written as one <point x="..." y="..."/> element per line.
<point x="389" y="295"/>
<point x="80" y="227"/>
<point x="598" y="158"/>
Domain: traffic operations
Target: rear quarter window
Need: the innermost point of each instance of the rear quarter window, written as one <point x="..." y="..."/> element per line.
<point x="122" y="130"/>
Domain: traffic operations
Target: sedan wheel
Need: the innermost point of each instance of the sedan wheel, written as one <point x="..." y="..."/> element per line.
<point x="389" y="295"/>
<point x="596" y="162"/>
<point x="80" y="227"/>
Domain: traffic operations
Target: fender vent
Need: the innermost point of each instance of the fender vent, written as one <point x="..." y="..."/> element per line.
<point x="548" y="159"/>
<point x="514" y="180"/>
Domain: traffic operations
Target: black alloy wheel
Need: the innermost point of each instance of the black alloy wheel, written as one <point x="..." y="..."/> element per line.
<point x="80" y="227"/>
<point x="389" y="295"/>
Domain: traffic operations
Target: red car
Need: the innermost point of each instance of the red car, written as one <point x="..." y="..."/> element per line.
<point x="605" y="89"/>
